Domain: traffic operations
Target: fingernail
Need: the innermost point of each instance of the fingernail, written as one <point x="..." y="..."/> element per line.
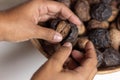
<point x="67" y="44"/>
<point x="58" y="37"/>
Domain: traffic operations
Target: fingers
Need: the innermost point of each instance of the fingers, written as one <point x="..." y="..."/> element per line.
<point x="56" y="8"/>
<point x="77" y="55"/>
<point x="47" y="34"/>
<point x="62" y="54"/>
<point x="90" y="61"/>
<point x="90" y="55"/>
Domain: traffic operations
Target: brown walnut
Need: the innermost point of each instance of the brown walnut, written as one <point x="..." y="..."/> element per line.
<point x="115" y="38"/>
<point x="115" y="11"/>
<point x="82" y="8"/>
<point x="97" y="24"/>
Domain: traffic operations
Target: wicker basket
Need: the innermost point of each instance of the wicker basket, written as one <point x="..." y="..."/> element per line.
<point x="37" y="45"/>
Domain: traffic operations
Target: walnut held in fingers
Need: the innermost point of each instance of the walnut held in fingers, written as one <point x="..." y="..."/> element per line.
<point x="72" y="37"/>
<point x="68" y="30"/>
<point x="63" y="28"/>
<point x="82" y="9"/>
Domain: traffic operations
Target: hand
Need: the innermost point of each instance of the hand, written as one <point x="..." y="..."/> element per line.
<point x="53" y="68"/>
<point x="20" y="23"/>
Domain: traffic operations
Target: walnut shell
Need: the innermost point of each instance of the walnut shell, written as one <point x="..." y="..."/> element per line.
<point x="115" y="12"/>
<point x="115" y="38"/>
<point x="97" y="24"/>
<point x="63" y="28"/>
<point x="82" y="9"/>
<point x="100" y="38"/>
<point x="111" y="57"/>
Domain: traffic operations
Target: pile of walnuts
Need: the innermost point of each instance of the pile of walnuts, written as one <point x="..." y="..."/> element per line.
<point x="101" y="25"/>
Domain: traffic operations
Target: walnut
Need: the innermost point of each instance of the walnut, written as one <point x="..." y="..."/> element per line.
<point x="63" y="28"/>
<point x="100" y="38"/>
<point x="115" y="11"/>
<point x="93" y="24"/>
<point x="101" y="11"/>
<point x="115" y="38"/>
<point x="108" y="58"/>
<point x="111" y="57"/>
<point x="82" y="8"/>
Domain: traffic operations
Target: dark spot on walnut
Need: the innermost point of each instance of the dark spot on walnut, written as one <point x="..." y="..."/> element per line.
<point x="111" y="57"/>
<point x="106" y="1"/>
<point x="101" y="12"/>
<point x="99" y="58"/>
<point x="100" y="38"/>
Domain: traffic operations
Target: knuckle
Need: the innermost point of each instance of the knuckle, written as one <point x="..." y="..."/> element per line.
<point x="62" y="5"/>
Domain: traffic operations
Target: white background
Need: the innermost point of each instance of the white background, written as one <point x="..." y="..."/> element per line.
<point x="18" y="61"/>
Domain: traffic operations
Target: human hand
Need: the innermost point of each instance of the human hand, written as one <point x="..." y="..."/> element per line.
<point x="20" y="23"/>
<point x="53" y="68"/>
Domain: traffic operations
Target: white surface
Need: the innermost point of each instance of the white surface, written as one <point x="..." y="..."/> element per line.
<point x="18" y="61"/>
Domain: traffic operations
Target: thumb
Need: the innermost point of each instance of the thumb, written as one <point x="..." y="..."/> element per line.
<point x="47" y="34"/>
<point x="62" y="54"/>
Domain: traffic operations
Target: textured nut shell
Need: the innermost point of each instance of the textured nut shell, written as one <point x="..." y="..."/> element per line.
<point x="115" y="12"/>
<point x="97" y="24"/>
<point x="81" y="29"/>
<point x="63" y="28"/>
<point x="82" y="8"/>
<point x="82" y="42"/>
<point x="115" y="38"/>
